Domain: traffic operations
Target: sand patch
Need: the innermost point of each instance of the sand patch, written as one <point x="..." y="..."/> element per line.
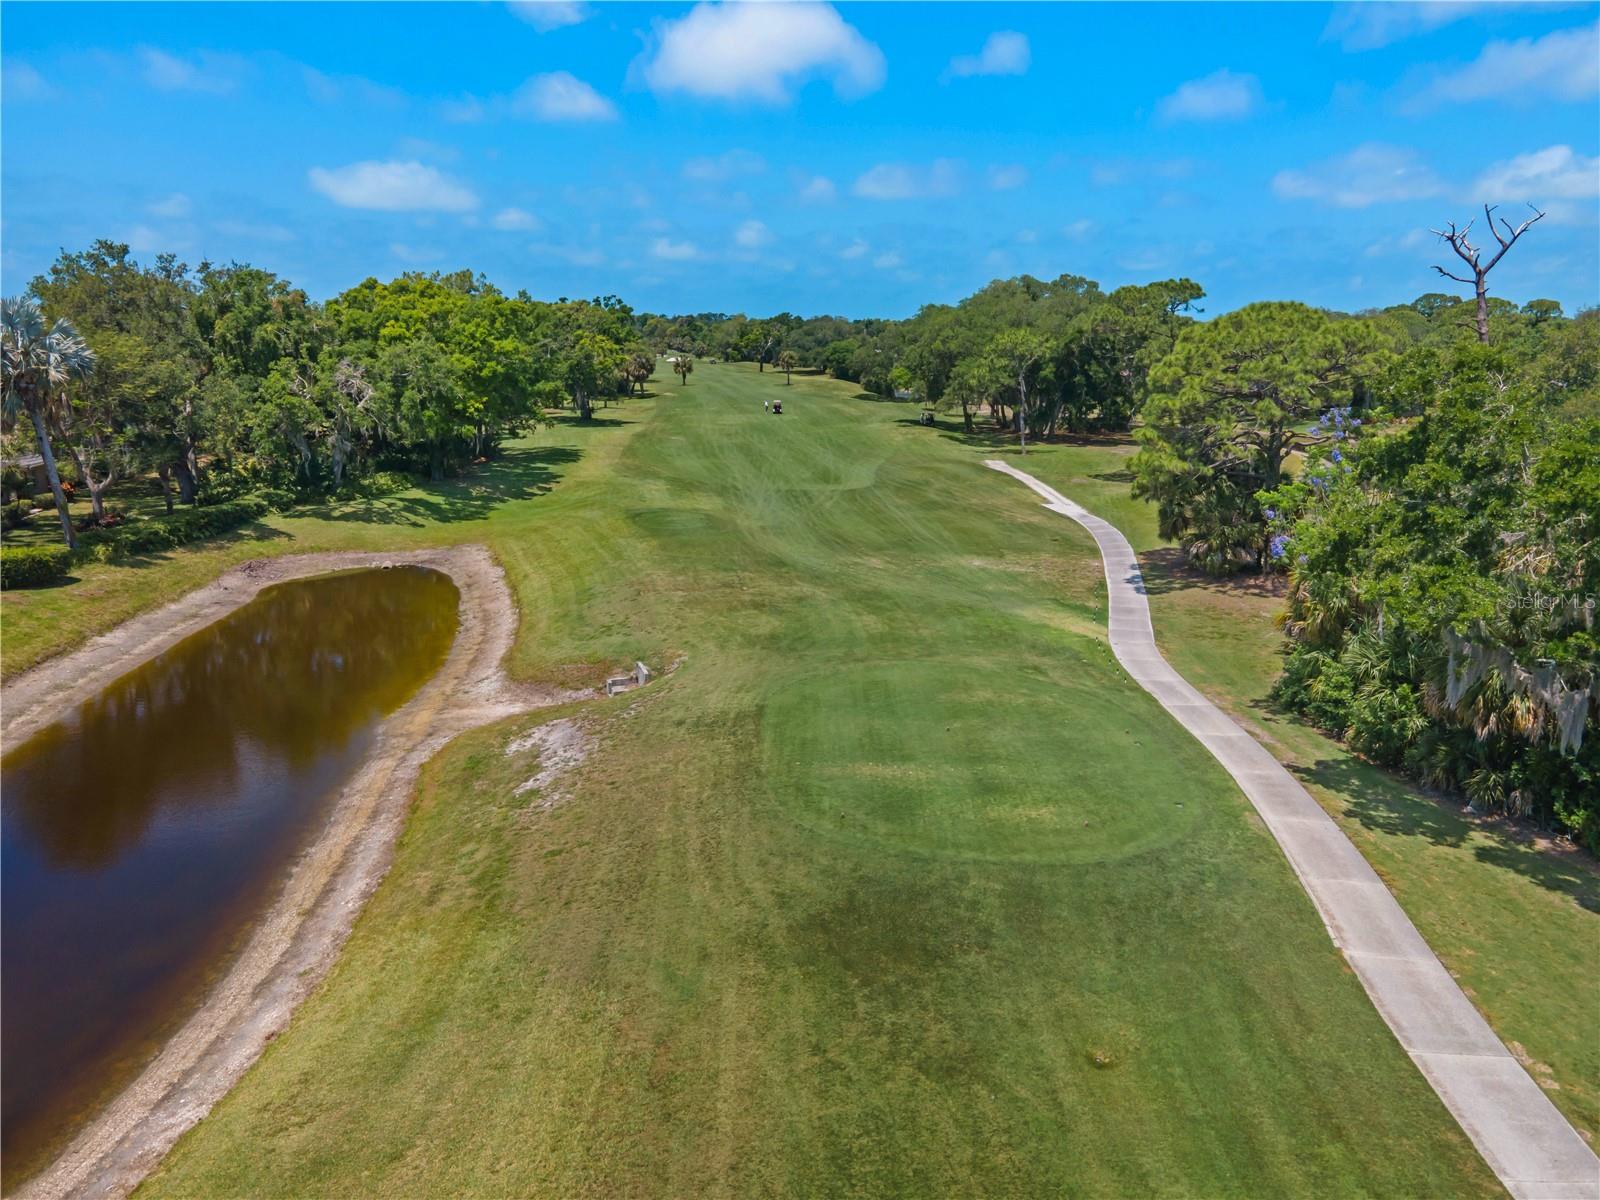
<point x="562" y="745"/>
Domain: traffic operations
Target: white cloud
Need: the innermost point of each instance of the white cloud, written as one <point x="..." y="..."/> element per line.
<point x="514" y="218"/>
<point x="1369" y="26"/>
<point x="1560" y="182"/>
<point x="724" y="166"/>
<point x="1564" y="65"/>
<point x="462" y="110"/>
<point x="752" y="234"/>
<point x="887" y="262"/>
<point x="761" y="52"/>
<point x="545" y="15"/>
<point x="818" y="190"/>
<point x="1079" y="229"/>
<point x="902" y="181"/>
<point x="561" y="96"/>
<point x="1008" y="177"/>
<point x="856" y="249"/>
<point x="1004" y="53"/>
<point x="335" y="89"/>
<point x="216" y="74"/>
<point x="1411" y="240"/>
<point x="1372" y="173"/>
<point x="175" y="205"/>
<point x="23" y="82"/>
<point x="1219" y="96"/>
<point x="1112" y="172"/>
<point x="673" y="251"/>
<point x="1028" y="237"/>
<point x="1555" y="173"/>
<point x="392" y="187"/>
<point x="142" y="239"/>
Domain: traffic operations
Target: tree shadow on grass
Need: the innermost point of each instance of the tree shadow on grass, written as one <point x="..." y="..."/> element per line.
<point x="985" y="435"/>
<point x="520" y="473"/>
<point x="999" y="441"/>
<point x="1386" y="804"/>
<point x="66" y="580"/>
<point x="1166" y="572"/>
<point x="604" y="418"/>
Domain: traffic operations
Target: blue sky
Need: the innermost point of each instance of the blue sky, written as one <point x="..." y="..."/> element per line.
<point x="854" y="159"/>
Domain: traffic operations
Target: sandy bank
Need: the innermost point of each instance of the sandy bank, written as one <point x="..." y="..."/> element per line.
<point x="299" y="936"/>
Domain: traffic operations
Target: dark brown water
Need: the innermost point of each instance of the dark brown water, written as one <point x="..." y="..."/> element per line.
<point x="143" y="833"/>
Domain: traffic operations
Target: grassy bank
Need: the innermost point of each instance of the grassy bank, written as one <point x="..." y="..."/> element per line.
<point x="895" y="885"/>
<point x="1516" y="923"/>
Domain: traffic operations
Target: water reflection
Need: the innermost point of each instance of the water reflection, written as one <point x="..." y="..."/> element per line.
<point x="139" y="835"/>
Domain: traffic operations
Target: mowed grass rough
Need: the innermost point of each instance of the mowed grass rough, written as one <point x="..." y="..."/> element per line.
<point x="895" y="885"/>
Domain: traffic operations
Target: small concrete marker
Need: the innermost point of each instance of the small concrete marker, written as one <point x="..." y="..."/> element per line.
<point x="1523" y="1137"/>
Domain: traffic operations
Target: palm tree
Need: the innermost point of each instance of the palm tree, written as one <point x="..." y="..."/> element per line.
<point x="641" y="365"/>
<point x="788" y="361"/>
<point x="38" y="363"/>
<point x="684" y="366"/>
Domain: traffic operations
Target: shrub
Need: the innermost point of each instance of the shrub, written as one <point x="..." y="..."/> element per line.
<point x="166" y="533"/>
<point x="383" y="483"/>
<point x="1317" y="684"/>
<point x="15" y="513"/>
<point x="1384" y="723"/>
<point x="276" y="499"/>
<point x="45" y="500"/>
<point x="32" y="566"/>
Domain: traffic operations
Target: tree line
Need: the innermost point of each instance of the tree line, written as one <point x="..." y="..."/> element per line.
<point x="224" y="378"/>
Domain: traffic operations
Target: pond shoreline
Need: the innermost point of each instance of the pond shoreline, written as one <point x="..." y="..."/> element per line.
<point x="297" y="939"/>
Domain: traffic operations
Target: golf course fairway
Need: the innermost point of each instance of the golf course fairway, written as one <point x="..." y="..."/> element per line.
<point x="893" y="884"/>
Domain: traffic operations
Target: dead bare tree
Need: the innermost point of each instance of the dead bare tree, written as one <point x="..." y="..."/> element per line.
<point x="1469" y="254"/>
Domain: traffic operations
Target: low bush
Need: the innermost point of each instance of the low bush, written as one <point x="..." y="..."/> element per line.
<point x="45" y="500"/>
<point x="277" y="499"/>
<point x="109" y="520"/>
<point x="1384" y="723"/>
<point x="32" y="566"/>
<point x="383" y="483"/>
<point x="167" y="533"/>
<point x="15" y="513"/>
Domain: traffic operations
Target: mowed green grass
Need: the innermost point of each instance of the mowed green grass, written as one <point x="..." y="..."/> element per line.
<point x="895" y="885"/>
<point x="1517" y="924"/>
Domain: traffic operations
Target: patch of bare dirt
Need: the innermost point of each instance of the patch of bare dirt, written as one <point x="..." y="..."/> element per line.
<point x="562" y="745"/>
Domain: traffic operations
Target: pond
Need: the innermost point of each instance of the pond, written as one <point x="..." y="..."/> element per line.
<point x="142" y="834"/>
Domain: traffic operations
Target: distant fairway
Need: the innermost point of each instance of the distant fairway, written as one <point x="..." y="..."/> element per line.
<point x="897" y="886"/>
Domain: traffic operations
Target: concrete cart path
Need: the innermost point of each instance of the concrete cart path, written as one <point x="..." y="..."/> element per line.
<point x="1520" y="1133"/>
